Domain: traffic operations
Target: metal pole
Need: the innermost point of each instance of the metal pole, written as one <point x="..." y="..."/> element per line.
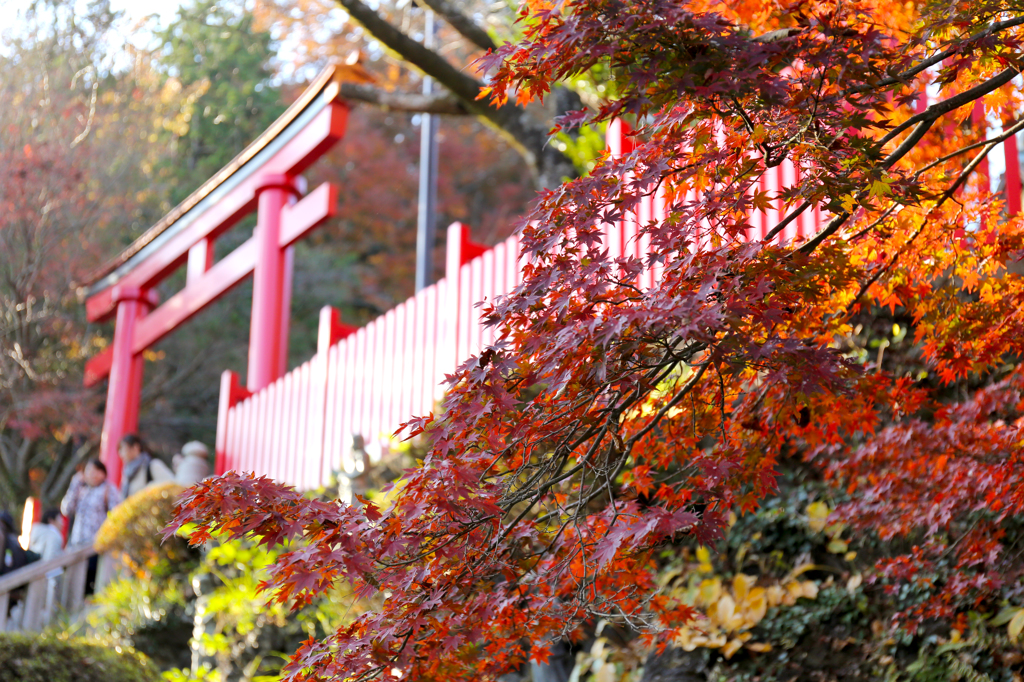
<point x="426" y="224"/>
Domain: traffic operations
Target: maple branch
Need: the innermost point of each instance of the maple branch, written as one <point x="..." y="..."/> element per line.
<point x="946" y="196"/>
<point x="440" y="103"/>
<point x="1005" y="135"/>
<point x="793" y="215"/>
<point x="466" y="27"/>
<point x="936" y="58"/>
<point x="896" y="155"/>
<point x="953" y="103"/>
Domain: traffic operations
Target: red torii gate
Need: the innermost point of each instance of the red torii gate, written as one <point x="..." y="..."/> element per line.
<point x="264" y="177"/>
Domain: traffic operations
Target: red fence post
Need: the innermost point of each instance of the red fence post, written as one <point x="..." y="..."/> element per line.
<point x="121" y="415"/>
<point x="268" y="283"/>
<point x="1010" y="153"/>
<point x="460" y="251"/>
<point x="231" y="393"/>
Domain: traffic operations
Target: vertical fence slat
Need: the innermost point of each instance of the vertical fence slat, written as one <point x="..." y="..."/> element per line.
<point x="360" y="390"/>
<point x="349" y="397"/>
<point x="406" y="391"/>
<point x="271" y="463"/>
<point x="475" y="296"/>
<point x="243" y="436"/>
<point x="434" y="359"/>
<point x="285" y="401"/>
<point x="376" y="347"/>
<point x="399" y="380"/>
<point x="259" y="447"/>
<point x="418" y="353"/>
<point x="332" y="408"/>
<point x="465" y="315"/>
<point x="308" y="459"/>
<point x="1013" y="189"/>
<point x="487" y="273"/>
<point x="387" y="393"/>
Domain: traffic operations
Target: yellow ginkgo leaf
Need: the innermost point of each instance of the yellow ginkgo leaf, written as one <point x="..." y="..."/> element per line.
<point x="854" y="582"/>
<point x="760" y="647"/>
<point x="732" y="647"/>
<point x="756" y="606"/>
<point x="717" y="642"/>
<point x="725" y="609"/>
<point x="606" y="673"/>
<point x="837" y="546"/>
<point x="710" y="591"/>
<point x="817" y="515"/>
<point x="1015" y="626"/>
<point x="775" y="595"/>
<point x="741" y="585"/>
<point x="809" y="589"/>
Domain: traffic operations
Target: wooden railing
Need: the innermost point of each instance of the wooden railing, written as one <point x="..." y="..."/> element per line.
<point x="52" y="587"/>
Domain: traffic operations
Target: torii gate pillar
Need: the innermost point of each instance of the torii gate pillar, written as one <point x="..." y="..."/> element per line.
<point x="125" y="387"/>
<point x="268" y="333"/>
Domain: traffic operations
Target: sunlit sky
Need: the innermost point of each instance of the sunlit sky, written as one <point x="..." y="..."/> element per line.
<point x="135" y="12"/>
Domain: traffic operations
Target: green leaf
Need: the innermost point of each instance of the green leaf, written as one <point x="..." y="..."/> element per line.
<point x="1004" y="616"/>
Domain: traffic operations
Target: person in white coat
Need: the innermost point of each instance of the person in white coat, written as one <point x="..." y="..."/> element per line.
<point x="140" y="468"/>
<point x="46" y="538"/>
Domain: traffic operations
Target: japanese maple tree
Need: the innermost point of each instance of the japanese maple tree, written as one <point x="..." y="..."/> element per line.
<point x="611" y="418"/>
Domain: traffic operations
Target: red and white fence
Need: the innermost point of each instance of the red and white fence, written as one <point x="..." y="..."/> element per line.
<point x="362" y="384"/>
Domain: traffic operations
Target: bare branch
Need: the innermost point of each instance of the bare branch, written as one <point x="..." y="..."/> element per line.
<point x="527" y="135"/>
<point x="466" y="27"/>
<point x="463" y="86"/>
<point x="441" y="103"/>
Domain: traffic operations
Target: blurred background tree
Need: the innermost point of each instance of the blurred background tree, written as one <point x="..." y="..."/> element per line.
<point x="114" y="123"/>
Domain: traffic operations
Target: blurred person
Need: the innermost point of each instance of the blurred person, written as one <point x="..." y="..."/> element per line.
<point x="47" y="540"/>
<point x="12" y="555"/>
<point x="192" y="465"/>
<point x="90" y="498"/>
<point x="140" y="468"/>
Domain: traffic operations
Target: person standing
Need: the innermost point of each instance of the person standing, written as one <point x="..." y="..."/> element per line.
<point x="140" y="468"/>
<point x="12" y="556"/>
<point x="192" y="465"/>
<point x="46" y="539"/>
<point x="90" y="498"/>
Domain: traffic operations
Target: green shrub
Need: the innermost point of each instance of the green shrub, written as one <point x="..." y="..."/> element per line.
<point x="37" y="658"/>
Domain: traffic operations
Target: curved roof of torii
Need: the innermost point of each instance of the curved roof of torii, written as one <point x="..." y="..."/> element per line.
<point x="321" y="91"/>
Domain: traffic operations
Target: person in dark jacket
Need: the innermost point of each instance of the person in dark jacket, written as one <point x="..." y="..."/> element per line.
<point x="10" y="550"/>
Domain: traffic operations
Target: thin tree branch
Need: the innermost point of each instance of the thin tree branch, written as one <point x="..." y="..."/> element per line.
<point x="466" y="27"/>
<point x="936" y="58"/>
<point x="463" y="86"/>
<point x="441" y="103"/>
<point x="528" y="136"/>
<point x="953" y="103"/>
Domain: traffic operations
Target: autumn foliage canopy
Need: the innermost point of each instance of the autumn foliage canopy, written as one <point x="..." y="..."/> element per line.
<point x="611" y="420"/>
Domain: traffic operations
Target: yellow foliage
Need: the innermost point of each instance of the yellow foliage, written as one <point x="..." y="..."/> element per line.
<point x="134" y="529"/>
<point x="1015" y="626"/>
<point x="733" y="610"/>
<point x="817" y="516"/>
